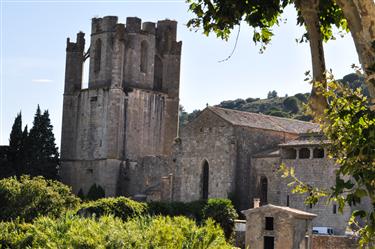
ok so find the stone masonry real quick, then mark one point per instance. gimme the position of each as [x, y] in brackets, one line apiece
[129, 110]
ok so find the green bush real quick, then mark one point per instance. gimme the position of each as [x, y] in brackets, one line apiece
[120, 207]
[291, 104]
[189, 209]
[110, 232]
[27, 198]
[222, 212]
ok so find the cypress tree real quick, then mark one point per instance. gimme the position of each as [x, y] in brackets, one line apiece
[15, 145]
[42, 149]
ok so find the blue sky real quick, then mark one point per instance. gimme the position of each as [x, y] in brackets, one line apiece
[33, 39]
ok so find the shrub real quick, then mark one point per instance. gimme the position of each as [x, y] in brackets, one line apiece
[222, 212]
[302, 97]
[27, 198]
[120, 207]
[189, 209]
[95, 192]
[110, 232]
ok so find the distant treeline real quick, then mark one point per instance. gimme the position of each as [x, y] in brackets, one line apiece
[287, 106]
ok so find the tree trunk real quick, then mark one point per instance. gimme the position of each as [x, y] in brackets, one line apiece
[360, 15]
[309, 11]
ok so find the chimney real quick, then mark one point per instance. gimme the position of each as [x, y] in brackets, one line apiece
[256, 202]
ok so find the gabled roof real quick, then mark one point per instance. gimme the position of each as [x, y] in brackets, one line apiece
[266, 122]
[269, 207]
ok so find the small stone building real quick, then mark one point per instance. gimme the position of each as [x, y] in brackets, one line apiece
[277, 227]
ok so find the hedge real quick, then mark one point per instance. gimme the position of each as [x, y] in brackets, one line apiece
[109, 232]
[120, 207]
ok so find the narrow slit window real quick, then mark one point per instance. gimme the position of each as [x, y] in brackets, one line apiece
[98, 55]
[144, 52]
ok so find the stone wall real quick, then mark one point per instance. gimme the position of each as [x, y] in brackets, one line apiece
[328, 242]
[82, 174]
[209, 138]
[318, 172]
[268, 167]
[250, 141]
[144, 177]
[145, 124]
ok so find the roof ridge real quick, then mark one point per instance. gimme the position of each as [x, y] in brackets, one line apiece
[262, 114]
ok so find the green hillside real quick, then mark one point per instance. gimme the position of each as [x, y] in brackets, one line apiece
[287, 106]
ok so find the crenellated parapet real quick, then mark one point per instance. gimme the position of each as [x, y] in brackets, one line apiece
[130, 108]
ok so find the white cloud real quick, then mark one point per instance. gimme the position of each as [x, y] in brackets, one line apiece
[41, 81]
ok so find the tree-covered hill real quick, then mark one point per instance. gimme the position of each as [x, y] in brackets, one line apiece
[287, 106]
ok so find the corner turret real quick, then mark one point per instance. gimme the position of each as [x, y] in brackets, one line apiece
[74, 63]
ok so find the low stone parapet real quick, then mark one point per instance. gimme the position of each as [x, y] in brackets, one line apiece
[333, 242]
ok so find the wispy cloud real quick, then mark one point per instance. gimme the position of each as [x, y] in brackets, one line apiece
[41, 81]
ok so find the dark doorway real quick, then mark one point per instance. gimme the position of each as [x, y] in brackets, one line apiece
[263, 190]
[268, 242]
[205, 179]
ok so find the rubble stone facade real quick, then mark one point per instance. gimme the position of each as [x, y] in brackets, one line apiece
[128, 113]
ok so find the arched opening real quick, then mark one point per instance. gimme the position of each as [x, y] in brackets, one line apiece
[318, 153]
[158, 73]
[263, 190]
[97, 55]
[205, 179]
[304, 153]
[144, 53]
[289, 153]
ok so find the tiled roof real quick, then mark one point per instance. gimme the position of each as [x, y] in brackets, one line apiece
[307, 139]
[295, 212]
[261, 121]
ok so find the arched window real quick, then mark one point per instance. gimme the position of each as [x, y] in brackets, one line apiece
[290, 153]
[205, 179]
[144, 53]
[98, 55]
[318, 153]
[304, 153]
[158, 73]
[263, 190]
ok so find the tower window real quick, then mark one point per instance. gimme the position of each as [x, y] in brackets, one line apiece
[158, 73]
[98, 55]
[263, 190]
[334, 209]
[144, 53]
[287, 201]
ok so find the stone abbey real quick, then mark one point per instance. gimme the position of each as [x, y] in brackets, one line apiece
[122, 131]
